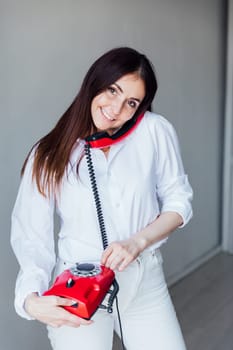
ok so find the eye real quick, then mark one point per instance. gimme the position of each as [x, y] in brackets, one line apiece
[112, 90]
[132, 103]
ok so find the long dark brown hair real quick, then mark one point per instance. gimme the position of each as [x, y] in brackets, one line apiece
[52, 152]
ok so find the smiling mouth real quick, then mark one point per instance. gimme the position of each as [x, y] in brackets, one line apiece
[106, 115]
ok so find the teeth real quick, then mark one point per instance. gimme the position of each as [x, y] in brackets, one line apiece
[107, 116]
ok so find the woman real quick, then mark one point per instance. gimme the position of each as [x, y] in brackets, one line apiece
[145, 195]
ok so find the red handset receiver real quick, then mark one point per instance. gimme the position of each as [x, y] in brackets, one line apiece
[103, 139]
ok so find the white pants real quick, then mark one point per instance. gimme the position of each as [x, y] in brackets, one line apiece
[148, 318]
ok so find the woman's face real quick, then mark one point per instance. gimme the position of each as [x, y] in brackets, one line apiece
[118, 103]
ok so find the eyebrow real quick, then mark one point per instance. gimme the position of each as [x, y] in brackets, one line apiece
[133, 98]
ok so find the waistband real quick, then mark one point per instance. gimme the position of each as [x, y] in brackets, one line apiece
[142, 256]
[148, 253]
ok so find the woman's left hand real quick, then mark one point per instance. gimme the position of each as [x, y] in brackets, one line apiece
[118, 255]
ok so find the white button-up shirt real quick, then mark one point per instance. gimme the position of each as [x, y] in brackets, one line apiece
[142, 177]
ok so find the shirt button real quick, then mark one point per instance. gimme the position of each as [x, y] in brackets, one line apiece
[117, 205]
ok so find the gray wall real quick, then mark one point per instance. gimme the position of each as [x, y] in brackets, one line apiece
[228, 141]
[47, 47]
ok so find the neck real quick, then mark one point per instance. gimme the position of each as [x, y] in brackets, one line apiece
[105, 150]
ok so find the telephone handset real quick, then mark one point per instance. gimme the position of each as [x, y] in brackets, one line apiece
[103, 139]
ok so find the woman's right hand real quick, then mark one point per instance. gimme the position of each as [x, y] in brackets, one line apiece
[49, 310]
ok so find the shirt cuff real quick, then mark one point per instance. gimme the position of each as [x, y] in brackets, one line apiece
[185, 212]
[23, 290]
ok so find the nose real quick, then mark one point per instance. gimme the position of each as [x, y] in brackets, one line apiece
[117, 107]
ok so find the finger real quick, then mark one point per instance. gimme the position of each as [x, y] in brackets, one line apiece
[70, 324]
[107, 252]
[114, 261]
[65, 301]
[86, 322]
[76, 321]
[52, 324]
[125, 263]
[69, 318]
[74, 324]
[117, 254]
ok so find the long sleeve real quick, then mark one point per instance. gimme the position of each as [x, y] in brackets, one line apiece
[173, 188]
[32, 239]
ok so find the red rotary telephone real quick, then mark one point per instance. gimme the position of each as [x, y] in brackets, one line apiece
[87, 284]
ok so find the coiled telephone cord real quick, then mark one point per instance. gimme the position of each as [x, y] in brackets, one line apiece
[100, 220]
